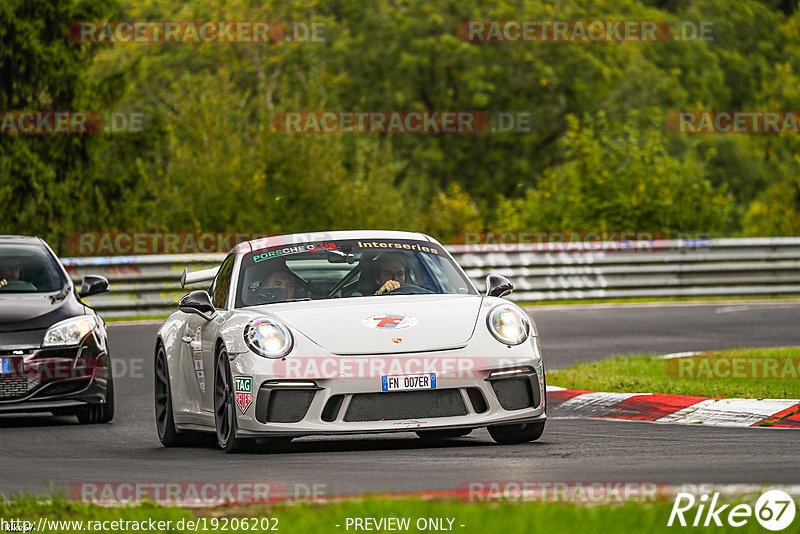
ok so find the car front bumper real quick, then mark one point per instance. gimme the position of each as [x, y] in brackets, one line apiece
[346, 405]
[57, 380]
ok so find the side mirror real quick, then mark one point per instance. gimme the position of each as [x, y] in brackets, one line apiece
[498, 286]
[92, 285]
[198, 302]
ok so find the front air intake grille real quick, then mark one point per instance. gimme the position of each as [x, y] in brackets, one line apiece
[62, 387]
[517, 393]
[405, 405]
[477, 399]
[332, 407]
[16, 387]
[289, 406]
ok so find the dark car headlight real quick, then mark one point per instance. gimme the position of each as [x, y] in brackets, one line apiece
[268, 338]
[508, 325]
[69, 331]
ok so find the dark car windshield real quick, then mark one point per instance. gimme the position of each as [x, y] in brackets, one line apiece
[28, 269]
[346, 269]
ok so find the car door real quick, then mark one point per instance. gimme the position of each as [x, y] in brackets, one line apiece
[208, 332]
[199, 337]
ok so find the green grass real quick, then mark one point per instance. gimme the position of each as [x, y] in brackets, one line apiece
[648, 374]
[477, 518]
[636, 300]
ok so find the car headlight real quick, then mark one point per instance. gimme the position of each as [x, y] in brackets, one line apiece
[508, 325]
[268, 338]
[69, 331]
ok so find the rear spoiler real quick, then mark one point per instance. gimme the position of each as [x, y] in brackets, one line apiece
[198, 276]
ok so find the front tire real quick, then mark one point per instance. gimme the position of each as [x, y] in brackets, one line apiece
[225, 408]
[519, 433]
[165, 421]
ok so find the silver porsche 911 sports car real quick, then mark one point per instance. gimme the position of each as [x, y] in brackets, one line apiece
[346, 332]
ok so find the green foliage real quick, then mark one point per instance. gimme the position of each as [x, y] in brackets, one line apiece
[452, 212]
[618, 177]
[211, 158]
[44, 185]
[776, 212]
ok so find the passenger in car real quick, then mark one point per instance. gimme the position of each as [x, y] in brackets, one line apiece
[9, 270]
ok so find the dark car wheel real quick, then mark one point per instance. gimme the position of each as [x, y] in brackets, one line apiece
[99, 413]
[520, 433]
[165, 422]
[443, 434]
[225, 407]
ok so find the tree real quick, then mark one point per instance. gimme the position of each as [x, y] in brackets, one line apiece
[47, 178]
[619, 178]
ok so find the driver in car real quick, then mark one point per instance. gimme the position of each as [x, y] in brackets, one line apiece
[282, 278]
[391, 275]
[9, 270]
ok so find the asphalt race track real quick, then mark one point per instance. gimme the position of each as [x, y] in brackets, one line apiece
[38, 452]
[586, 333]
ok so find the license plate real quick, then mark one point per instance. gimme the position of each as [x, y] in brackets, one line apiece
[5, 366]
[406, 382]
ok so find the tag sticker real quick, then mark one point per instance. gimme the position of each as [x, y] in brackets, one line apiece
[243, 387]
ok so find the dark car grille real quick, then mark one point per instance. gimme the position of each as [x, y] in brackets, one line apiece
[280, 405]
[518, 393]
[477, 399]
[405, 405]
[289, 406]
[16, 387]
[332, 407]
[63, 387]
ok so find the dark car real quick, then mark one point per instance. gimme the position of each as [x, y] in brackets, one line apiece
[53, 347]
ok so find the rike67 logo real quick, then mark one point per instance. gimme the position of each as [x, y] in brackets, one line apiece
[243, 387]
[774, 510]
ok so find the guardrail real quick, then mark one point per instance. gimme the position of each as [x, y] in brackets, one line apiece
[147, 285]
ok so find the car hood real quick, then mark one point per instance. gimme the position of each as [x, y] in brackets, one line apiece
[37, 311]
[385, 324]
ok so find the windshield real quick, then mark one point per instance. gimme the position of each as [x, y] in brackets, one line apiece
[347, 269]
[28, 269]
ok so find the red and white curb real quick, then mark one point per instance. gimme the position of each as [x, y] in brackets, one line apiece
[687, 409]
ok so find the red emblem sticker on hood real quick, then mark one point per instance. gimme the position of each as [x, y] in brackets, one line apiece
[389, 321]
